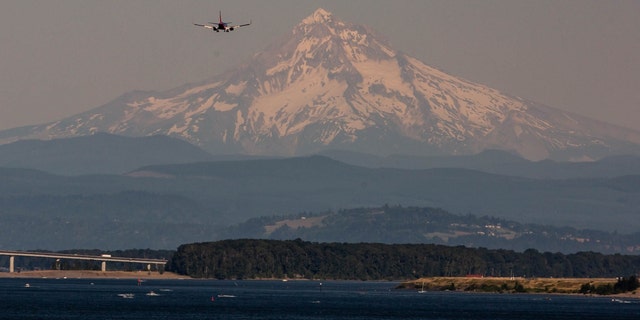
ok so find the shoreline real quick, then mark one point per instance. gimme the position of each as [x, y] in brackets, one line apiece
[543, 286]
[506, 285]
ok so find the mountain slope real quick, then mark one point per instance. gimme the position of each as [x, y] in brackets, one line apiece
[98, 154]
[499, 162]
[334, 85]
[429, 225]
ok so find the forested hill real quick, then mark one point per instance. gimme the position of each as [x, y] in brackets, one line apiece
[397, 224]
[255, 259]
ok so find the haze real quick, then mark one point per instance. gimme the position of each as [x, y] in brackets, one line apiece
[63, 57]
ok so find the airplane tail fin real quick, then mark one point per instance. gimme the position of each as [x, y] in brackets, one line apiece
[220, 16]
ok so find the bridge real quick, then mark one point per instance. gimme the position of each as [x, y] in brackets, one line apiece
[102, 258]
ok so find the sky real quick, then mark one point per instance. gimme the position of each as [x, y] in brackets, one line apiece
[62, 57]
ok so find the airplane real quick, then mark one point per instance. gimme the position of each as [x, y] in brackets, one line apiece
[220, 25]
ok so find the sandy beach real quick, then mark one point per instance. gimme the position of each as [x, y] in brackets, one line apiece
[548, 286]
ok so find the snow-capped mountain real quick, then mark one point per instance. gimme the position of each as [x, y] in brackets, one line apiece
[334, 85]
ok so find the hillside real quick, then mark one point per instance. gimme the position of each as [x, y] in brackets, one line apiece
[429, 225]
[499, 162]
[128, 219]
[313, 183]
[100, 153]
[162, 206]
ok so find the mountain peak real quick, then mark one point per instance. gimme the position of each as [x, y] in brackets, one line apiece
[336, 85]
[319, 16]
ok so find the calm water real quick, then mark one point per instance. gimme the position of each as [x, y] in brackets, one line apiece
[192, 299]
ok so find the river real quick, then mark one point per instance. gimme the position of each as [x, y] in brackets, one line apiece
[209, 299]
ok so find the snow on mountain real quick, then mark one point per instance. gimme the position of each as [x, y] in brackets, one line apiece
[334, 85]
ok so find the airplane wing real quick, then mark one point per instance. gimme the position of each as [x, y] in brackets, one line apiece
[239, 25]
[243, 25]
[206, 26]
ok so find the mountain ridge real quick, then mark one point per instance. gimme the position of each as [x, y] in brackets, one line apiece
[394, 225]
[498, 162]
[167, 204]
[100, 153]
[103, 153]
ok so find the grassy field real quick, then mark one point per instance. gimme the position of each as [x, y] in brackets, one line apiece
[506, 285]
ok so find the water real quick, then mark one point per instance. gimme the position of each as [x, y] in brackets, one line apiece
[192, 299]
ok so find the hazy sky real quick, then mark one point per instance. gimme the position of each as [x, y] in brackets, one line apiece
[62, 57]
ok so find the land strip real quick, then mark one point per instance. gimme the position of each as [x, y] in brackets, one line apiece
[510, 285]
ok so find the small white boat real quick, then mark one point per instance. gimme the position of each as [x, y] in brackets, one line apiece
[126, 295]
[152, 294]
[422, 289]
[26, 285]
[226, 296]
[620, 301]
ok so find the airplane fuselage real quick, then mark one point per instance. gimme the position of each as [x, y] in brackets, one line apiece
[221, 25]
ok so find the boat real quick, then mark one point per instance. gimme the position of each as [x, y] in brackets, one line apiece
[126, 295]
[620, 301]
[152, 294]
[226, 296]
[422, 289]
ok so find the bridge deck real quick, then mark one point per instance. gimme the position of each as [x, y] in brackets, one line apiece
[101, 258]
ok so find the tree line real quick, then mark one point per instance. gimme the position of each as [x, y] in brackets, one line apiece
[263, 259]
